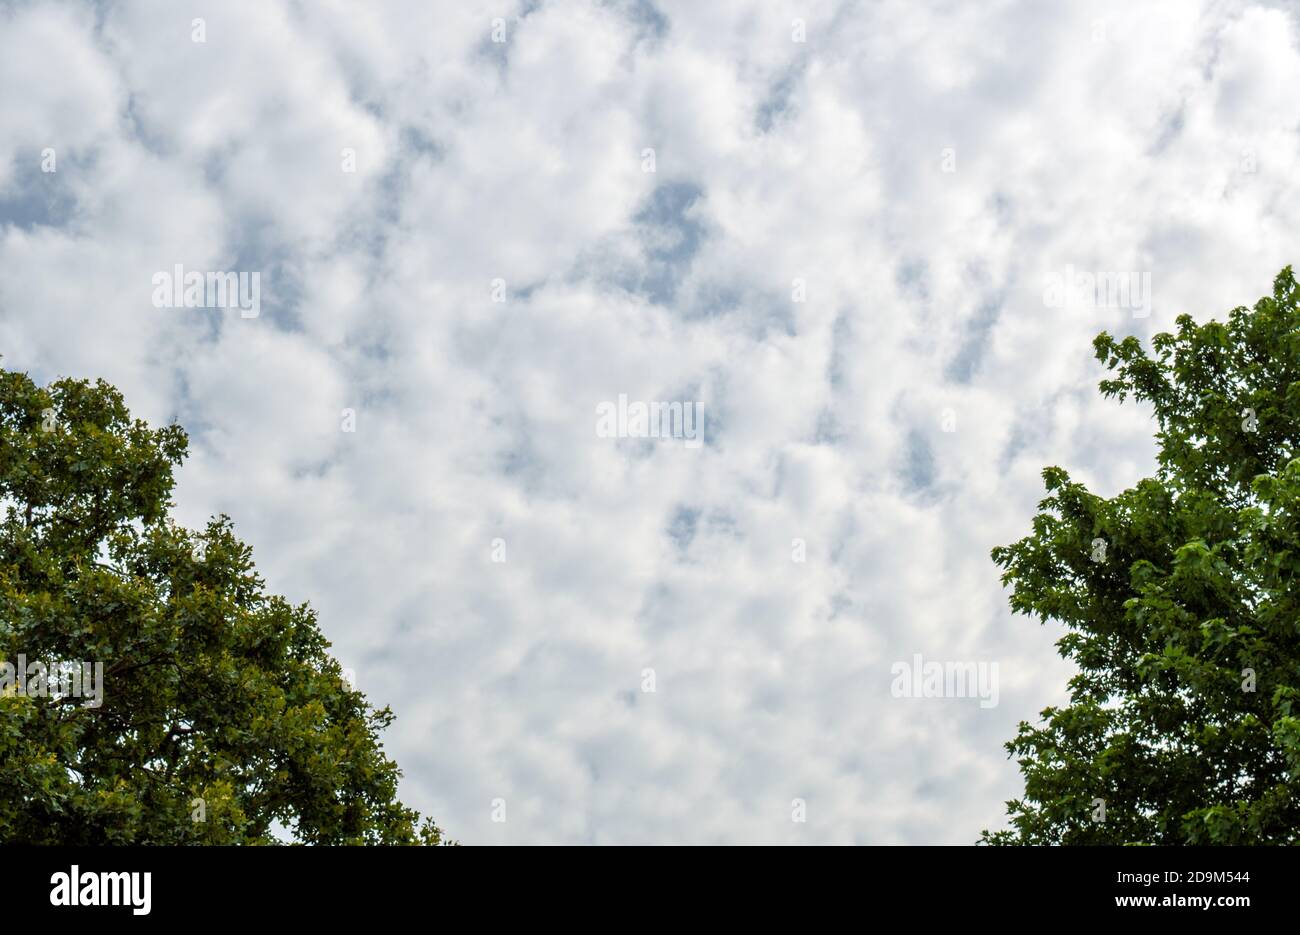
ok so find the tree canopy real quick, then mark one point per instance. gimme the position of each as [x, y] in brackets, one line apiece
[221, 717]
[1181, 602]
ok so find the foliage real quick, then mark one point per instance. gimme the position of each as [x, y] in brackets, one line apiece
[1183, 716]
[223, 717]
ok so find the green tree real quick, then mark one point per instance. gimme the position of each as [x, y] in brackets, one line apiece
[1181, 601]
[222, 717]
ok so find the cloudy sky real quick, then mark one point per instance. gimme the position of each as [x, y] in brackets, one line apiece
[831, 224]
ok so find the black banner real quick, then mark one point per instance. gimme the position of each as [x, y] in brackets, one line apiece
[141, 885]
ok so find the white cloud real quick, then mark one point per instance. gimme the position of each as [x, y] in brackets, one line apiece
[1113, 147]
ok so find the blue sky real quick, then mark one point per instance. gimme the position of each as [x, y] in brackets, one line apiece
[913, 172]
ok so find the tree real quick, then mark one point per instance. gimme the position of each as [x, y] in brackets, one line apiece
[221, 717]
[1181, 599]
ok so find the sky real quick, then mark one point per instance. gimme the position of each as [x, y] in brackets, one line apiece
[861, 239]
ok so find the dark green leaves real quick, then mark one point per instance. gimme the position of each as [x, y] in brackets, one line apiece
[1187, 635]
[223, 717]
